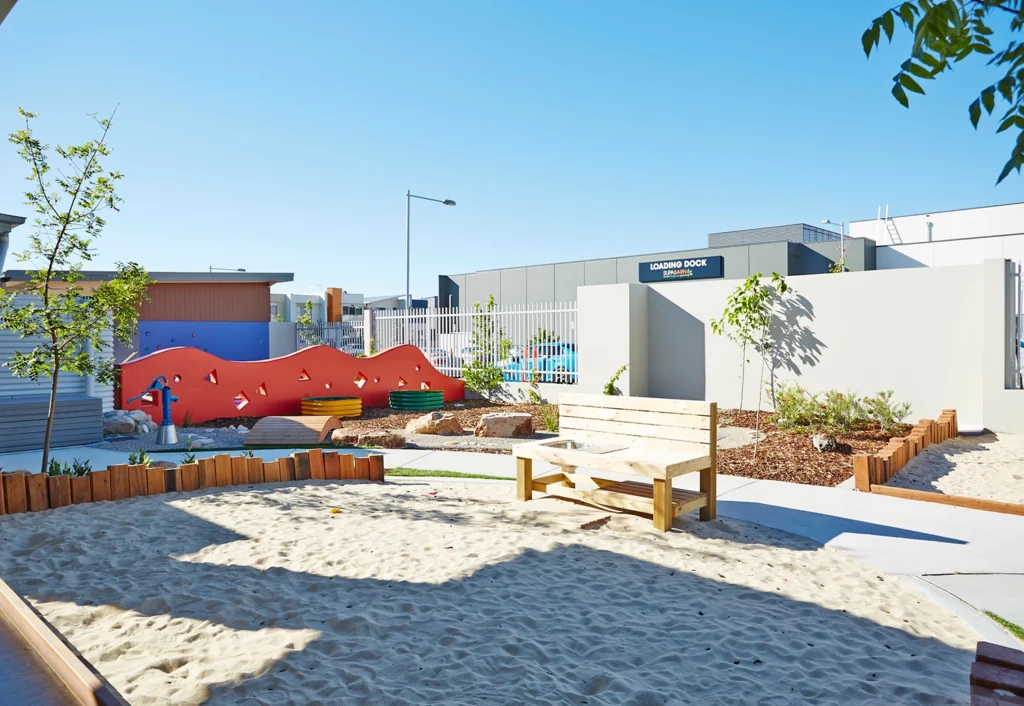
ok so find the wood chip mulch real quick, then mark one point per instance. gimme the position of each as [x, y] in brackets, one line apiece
[790, 456]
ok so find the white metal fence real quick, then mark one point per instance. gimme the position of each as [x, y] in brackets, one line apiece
[526, 342]
[346, 335]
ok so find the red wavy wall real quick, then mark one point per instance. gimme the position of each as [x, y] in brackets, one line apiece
[210, 387]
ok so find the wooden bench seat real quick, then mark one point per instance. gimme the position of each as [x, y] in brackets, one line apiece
[652, 438]
[997, 676]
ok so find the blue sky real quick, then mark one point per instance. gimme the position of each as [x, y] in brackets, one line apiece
[282, 136]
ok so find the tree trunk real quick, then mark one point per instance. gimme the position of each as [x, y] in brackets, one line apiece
[760, 394]
[49, 418]
[743, 372]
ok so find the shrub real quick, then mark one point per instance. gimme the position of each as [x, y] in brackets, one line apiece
[794, 408]
[188, 458]
[549, 413]
[883, 410]
[534, 392]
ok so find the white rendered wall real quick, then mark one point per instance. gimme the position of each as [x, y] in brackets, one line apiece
[946, 225]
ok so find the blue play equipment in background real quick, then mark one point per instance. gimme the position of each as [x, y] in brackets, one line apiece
[167, 434]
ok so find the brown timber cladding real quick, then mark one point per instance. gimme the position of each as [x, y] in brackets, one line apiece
[207, 301]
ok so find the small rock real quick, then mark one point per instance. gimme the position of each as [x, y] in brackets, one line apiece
[118, 425]
[242, 429]
[505, 424]
[383, 439]
[200, 442]
[231, 427]
[344, 437]
[434, 423]
[163, 464]
[138, 415]
[824, 442]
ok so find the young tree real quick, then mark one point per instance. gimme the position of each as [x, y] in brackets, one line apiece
[947, 32]
[489, 345]
[63, 321]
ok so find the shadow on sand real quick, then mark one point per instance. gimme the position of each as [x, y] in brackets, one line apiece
[574, 625]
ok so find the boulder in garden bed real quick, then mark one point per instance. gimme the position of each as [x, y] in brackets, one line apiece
[383, 439]
[344, 437]
[505, 424]
[118, 425]
[824, 442]
[434, 423]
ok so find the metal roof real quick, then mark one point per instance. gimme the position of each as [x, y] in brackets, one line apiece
[159, 277]
[11, 220]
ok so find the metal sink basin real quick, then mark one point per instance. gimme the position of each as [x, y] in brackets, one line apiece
[573, 445]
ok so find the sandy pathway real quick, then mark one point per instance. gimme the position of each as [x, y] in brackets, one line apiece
[263, 596]
[987, 466]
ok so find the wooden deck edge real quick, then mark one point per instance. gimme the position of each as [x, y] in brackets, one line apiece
[954, 500]
[86, 685]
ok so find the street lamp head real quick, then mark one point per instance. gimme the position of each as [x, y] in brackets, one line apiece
[448, 202]
[827, 222]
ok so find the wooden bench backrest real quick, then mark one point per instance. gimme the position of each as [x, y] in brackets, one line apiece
[686, 425]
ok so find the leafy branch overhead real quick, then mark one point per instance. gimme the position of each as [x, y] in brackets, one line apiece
[947, 32]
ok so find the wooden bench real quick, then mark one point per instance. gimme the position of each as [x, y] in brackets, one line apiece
[653, 438]
[997, 676]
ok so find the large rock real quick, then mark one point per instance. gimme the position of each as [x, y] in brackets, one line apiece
[200, 442]
[118, 425]
[434, 423]
[505, 424]
[138, 415]
[344, 437]
[383, 439]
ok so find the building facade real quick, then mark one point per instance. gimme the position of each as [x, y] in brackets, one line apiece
[789, 250]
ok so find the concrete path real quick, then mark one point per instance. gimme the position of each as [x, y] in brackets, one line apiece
[967, 560]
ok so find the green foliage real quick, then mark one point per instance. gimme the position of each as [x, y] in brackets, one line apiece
[609, 387]
[423, 473]
[883, 410]
[748, 316]
[186, 421]
[534, 391]
[1016, 630]
[188, 458]
[543, 335]
[307, 335]
[249, 454]
[838, 267]
[75, 469]
[139, 458]
[66, 322]
[835, 411]
[945, 32]
[549, 413]
[489, 343]
[278, 318]
[373, 346]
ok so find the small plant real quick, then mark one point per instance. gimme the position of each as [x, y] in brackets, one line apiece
[188, 458]
[483, 374]
[139, 458]
[794, 408]
[534, 392]
[373, 347]
[883, 410]
[56, 468]
[249, 454]
[80, 468]
[609, 387]
[186, 421]
[842, 412]
[549, 413]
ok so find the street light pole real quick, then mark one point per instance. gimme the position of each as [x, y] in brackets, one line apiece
[409, 196]
[842, 242]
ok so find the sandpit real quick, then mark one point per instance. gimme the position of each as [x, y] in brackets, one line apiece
[264, 596]
[988, 466]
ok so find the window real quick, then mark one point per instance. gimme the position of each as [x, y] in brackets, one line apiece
[273, 310]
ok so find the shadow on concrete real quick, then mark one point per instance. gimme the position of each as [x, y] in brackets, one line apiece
[818, 526]
[571, 625]
[678, 369]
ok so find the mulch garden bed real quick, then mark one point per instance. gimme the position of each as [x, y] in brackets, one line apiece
[790, 456]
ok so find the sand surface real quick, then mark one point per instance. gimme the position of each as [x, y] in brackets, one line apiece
[988, 466]
[262, 596]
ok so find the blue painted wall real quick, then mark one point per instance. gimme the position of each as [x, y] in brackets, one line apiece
[231, 340]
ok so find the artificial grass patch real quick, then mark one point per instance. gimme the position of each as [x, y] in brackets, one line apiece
[1016, 630]
[420, 473]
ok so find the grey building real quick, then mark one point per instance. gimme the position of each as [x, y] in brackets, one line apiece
[797, 249]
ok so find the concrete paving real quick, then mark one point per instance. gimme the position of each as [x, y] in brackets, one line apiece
[966, 560]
